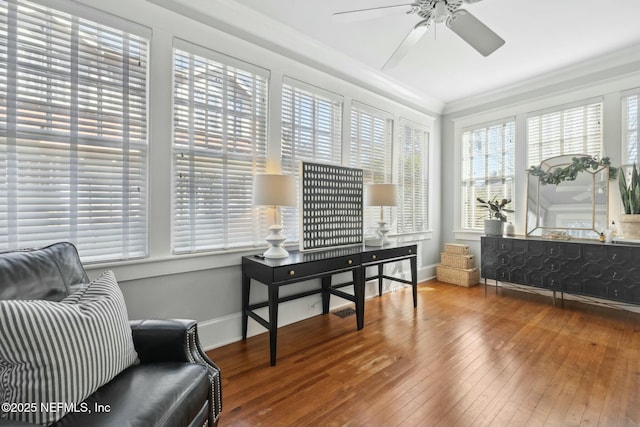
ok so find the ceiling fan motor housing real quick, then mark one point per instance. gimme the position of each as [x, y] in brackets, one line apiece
[426, 8]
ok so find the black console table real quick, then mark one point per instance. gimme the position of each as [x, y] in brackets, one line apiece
[602, 270]
[298, 267]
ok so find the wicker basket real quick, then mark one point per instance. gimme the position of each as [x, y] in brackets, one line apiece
[456, 249]
[457, 261]
[462, 277]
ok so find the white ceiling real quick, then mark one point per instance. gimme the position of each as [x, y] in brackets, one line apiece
[542, 36]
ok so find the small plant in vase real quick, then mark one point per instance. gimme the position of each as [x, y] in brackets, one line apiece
[496, 210]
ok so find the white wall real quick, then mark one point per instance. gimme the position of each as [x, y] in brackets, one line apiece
[206, 287]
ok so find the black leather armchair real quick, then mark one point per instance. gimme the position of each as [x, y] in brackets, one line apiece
[175, 384]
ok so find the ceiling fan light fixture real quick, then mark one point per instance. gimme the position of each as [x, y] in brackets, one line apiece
[441, 13]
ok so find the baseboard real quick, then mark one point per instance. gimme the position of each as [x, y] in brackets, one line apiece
[228, 329]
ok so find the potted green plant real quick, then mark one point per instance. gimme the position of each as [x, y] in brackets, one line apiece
[630, 196]
[496, 210]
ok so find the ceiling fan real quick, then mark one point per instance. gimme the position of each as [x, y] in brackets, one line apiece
[460, 21]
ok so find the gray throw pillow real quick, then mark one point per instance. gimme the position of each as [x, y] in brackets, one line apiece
[53, 355]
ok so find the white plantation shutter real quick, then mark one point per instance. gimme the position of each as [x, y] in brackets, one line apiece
[630, 119]
[572, 130]
[413, 195]
[220, 121]
[311, 131]
[487, 168]
[371, 138]
[73, 133]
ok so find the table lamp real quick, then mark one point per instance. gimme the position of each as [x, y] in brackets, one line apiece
[275, 190]
[382, 195]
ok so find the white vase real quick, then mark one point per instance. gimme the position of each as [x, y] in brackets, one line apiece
[509, 229]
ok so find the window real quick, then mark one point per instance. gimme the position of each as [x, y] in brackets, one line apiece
[73, 133]
[311, 131]
[219, 144]
[487, 168]
[571, 130]
[413, 203]
[630, 118]
[371, 136]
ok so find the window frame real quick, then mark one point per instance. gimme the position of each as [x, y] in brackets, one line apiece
[372, 175]
[563, 110]
[468, 204]
[423, 187]
[318, 97]
[255, 218]
[90, 139]
[629, 133]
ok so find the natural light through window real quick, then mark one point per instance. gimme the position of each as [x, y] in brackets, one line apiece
[487, 168]
[73, 133]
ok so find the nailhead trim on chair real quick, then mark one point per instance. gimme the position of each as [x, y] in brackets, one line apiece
[195, 355]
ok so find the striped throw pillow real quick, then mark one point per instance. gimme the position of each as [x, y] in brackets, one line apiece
[53, 355]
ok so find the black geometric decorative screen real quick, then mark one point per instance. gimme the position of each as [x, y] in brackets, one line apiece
[331, 213]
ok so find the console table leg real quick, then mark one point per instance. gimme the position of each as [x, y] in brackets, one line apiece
[358, 275]
[326, 293]
[273, 321]
[380, 272]
[246, 288]
[485, 286]
[414, 279]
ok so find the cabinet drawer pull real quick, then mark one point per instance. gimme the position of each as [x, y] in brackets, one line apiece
[292, 272]
[374, 257]
[350, 262]
[410, 251]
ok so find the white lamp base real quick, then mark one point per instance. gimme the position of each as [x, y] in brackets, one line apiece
[382, 231]
[275, 239]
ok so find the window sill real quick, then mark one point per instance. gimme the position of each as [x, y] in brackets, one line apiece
[412, 237]
[470, 235]
[176, 264]
[173, 264]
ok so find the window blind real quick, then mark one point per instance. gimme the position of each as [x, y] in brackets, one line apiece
[219, 144]
[630, 119]
[413, 203]
[73, 133]
[572, 130]
[487, 168]
[311, 131]
[371, 139]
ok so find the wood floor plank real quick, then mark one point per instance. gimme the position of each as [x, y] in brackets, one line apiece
[460, 358]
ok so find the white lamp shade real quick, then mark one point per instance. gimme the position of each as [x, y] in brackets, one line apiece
[274, 190]
[382, 195]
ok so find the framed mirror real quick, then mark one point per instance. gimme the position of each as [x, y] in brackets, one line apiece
[573, 208]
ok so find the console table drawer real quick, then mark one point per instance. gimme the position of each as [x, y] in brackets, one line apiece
[387, 253]
[294, 271]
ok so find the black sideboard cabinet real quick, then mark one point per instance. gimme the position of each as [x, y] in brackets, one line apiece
[602, 270]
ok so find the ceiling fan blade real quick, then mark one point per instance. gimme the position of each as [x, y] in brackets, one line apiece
[365, 14]
[470, 29]
[471, 1]
[409, 41]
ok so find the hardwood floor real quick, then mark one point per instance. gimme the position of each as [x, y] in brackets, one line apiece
[459, 359]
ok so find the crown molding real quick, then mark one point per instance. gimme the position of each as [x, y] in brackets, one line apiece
[247, 24]
[614, 65]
